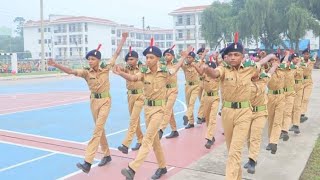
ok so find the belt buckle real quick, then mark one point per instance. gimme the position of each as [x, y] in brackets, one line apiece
[134, 91]
[96, 95]
[234, 105]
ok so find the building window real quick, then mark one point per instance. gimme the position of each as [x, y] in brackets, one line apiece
[39, 29]
[118, 33]
[180, 34]
[132, 35]
[180, 47]
[139, 36]
[45, 41]
[46, 54]
[113, 42]
[49, 54]
[188, 34]
[39, 41]
[113, 31]
[86, 50]
[49, 29]
[70, 51]
[86, 39]
[169, 36]
[45, 29]
[168, 44]
[188, 20]
[86, 27]
[180, 20]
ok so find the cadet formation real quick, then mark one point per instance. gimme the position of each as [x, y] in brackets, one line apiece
[272, 89]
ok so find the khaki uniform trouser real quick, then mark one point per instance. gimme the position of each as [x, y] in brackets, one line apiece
[135, 106]
[191, 93]
[276, 105]
[236, 124]
[201, 99]
[307, 90]
[168, 113]
[153, 117]
[259, 120]
[287, 116]
[211, 105]
[100, 110]
[296, 112]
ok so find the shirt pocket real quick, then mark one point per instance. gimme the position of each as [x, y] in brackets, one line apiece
[160, 81]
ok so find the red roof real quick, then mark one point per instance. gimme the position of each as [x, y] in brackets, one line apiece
[189, 9]
[72, 19]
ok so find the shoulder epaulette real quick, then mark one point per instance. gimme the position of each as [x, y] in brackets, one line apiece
[86, 67]
[163, 68]
[162, 61]
[175, 61]
[103, 65]
[263, 75]
[313, 60]
[144, 69]
[249, 63]
[303, 64]
[292, 66]
[282, 66]
[225, 64]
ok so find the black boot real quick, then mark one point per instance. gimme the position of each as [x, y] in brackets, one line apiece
[285, 135]
[296, 129]
[128, 173]
[268, 148]
[273, 148]
[137, 147]
[251, 167]
[246, 165]
[203, 120]
[85, 167]
[104, 160]
[303, 118]
[199, 121]
[185, 120]
[160, 134]
[173, 134]
[208, 144]
[189, 126]
[159, 173]
[123, 149]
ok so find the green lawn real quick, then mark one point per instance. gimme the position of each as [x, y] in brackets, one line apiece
[312, 169]
[32, 73]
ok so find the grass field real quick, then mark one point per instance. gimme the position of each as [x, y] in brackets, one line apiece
[312, 169]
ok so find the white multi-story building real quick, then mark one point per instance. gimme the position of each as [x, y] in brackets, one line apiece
[187, 27]
[70, 37]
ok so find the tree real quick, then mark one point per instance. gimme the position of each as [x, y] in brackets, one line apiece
[20, 22]
[217, 23]
[299, 21]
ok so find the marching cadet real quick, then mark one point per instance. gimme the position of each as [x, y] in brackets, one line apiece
[191, 89]
[211, 100]
[135, 102]
[276, 104]
[155, 78]
[172, 93]
[201, 118]
[298, 87]
[259, 102]
[308, 83]
[289, 92]
[236, 112]
[97, 77]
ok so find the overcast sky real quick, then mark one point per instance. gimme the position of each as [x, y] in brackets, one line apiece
[121, 11]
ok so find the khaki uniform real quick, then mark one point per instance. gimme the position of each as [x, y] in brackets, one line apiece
[298, 87]
[172, 93]
[259, 102]
[211, 104]
[155, 95]
[201, 94]
[191, 89]
[100, 103]
[290, 94]
[236, 112]
[276, 105]
[135, 102]
[307, 85]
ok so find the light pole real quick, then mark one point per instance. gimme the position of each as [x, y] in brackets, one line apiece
[42, 36]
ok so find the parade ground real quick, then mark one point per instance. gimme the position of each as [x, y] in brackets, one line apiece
[46, 122]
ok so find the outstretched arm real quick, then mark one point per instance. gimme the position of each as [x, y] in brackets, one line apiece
[184, 55]
[67, 70]
[119, 48]
[121, 72]
[266, 59]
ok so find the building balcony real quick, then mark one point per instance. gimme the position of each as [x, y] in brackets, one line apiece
[60, 43]
[60, 31]
[184, 24]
